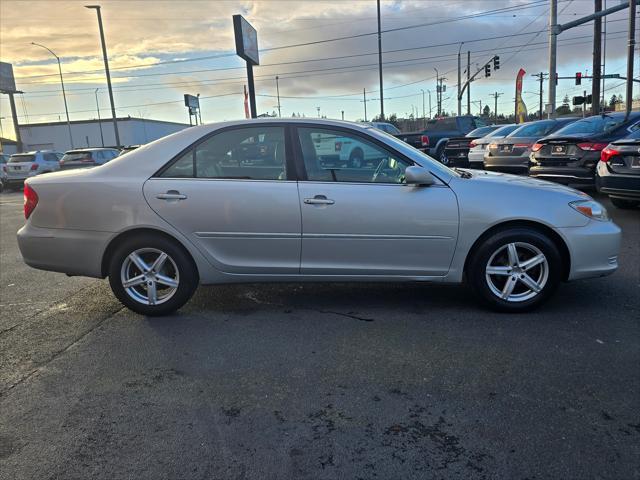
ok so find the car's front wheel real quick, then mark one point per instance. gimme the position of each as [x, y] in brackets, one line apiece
[152, 275]
[515, 270]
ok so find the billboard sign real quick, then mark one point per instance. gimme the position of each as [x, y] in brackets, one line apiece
[191, 101]
[7, 81]
[246, 40]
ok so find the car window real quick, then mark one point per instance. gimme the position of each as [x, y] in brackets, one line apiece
[338, 156]
[442, 124]
[467, 124]
[50, 157]
[76, 156]
[22, 158]
[481, 132]
[534, 129]
[593, 125]
[503, 131]
[256, 153]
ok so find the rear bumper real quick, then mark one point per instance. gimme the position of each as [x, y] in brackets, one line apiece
[75, 252]
[619, 185]
[594, 249]
[565, 175]
[507, 164]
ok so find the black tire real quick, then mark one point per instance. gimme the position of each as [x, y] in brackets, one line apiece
[181, 262]
[441, 156]
[624, 203]
[356, 159]
[491, 246]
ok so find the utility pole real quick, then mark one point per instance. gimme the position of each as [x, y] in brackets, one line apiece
[106, 69]
[495, 106]
[424, 118]
[553, 38]
[597, 59]
[99, 119]
[364, 94]
[380, 66]
[469, 83]
[630, 48]
[318, 108]
[437, 92]
[278, 93]
[459, 81]
[541, 76]
[64, 95]
[429, 92]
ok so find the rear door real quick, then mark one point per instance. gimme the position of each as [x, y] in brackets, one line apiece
[365, 220]
[233, 196]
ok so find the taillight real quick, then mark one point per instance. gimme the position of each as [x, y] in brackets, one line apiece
[522, 145]
[591, 147]
[30, 200]
[34, 166]
[473, 144]
[536, 147]
[493, 146]
[607, 153]
[424, 140]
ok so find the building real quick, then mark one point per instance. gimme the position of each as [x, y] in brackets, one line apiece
[94, 133]
[8, 146]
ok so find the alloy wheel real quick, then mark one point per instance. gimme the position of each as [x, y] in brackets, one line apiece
[517, 272]
[149, 276]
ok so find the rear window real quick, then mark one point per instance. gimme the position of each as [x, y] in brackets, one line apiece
[481, 132]
[593, 125]
[76, 156]
[534, 129]
[22, 158]
[503, 131]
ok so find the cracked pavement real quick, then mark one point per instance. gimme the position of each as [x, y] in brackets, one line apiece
[317, 380]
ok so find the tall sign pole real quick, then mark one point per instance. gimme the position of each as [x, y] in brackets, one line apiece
[8, 86]
[630, 48]
[597, 59]
[553, 38]
[247, 48]
[380, 65]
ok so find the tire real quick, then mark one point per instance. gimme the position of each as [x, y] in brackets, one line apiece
[494, 254]
[441, 156]
[173, 283]
[356, 159]
[623, 203]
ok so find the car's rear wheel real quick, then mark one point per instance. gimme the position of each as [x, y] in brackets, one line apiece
[624, 203]
[152, 275]
[441, 156]
[515, 270]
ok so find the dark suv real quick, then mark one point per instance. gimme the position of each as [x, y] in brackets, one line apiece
[570, 155]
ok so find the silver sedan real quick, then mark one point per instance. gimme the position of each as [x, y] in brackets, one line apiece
[267, 201]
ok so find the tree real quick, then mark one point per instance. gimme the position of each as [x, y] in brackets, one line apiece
[613, 101]
[486, 111]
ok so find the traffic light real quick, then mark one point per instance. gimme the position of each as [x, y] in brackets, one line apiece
[578, 78]
[487, 70]
[496, 62]
[589, 99]
[578, 100]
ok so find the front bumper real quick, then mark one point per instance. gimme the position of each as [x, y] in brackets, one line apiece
[593, 249]
[75, 252]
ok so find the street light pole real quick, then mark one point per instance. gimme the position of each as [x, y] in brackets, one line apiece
[437, 91]
[106, 69]
[424, 118]
[278, 92]
[459, 81]
[380, 65]
[99, 119]
[64, 95]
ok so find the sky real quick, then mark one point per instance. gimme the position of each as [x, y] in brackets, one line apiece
[159, 50]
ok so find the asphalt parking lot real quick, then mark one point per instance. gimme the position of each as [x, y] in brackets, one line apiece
[317, 381]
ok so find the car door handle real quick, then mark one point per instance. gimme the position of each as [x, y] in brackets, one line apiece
[171, 195]
[319, 200]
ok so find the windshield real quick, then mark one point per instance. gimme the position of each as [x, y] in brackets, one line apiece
[592, 125]
[22, 158]
[76, 156]
[534, 129]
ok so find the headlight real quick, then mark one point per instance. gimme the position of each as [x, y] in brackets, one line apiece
[591, 209]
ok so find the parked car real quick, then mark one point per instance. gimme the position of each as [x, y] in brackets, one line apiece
[87, 157]
[344, 152]
[618, 171]
[390, 128]
[164, 218]
[4, 158]
[433, 138]
[477, 148]
[570, 155]
[511, 153]
[456, 149]
[26, 165]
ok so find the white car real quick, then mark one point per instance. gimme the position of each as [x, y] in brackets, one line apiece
[29, 164]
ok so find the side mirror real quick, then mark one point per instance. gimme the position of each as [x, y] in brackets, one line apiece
[418, 176]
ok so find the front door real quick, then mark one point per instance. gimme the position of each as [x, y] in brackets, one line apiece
[364, 220]
[230, 196]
